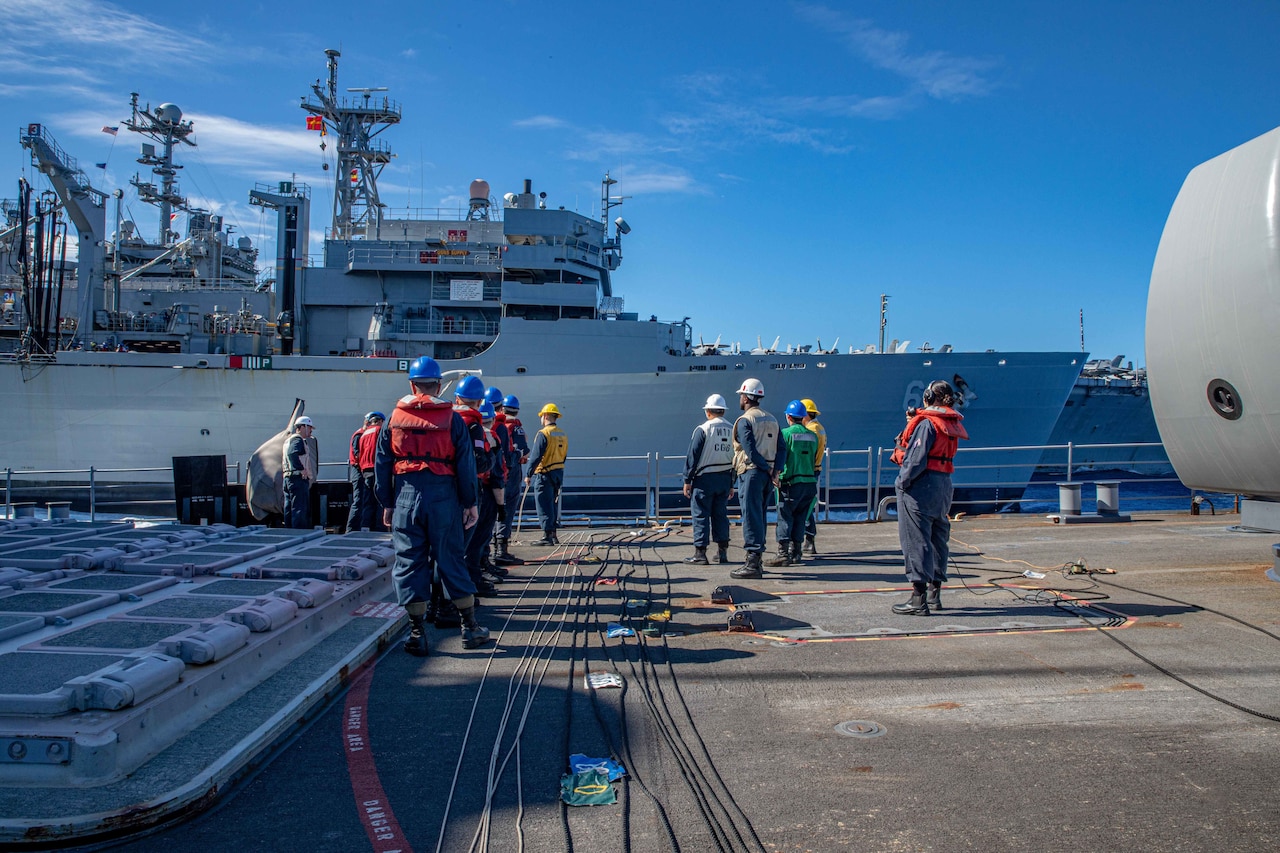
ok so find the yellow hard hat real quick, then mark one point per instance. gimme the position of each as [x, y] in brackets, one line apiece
[549, 409]
[811, 407]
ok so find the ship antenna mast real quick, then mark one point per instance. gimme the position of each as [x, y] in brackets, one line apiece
[357, 210]
[165, 126]
[884, 318]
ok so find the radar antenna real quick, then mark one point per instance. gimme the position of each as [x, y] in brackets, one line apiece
[164, 126]
[357, 210]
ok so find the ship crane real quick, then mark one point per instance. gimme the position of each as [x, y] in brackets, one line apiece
[87, 209]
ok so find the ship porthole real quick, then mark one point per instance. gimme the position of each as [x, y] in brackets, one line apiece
[1225, 400]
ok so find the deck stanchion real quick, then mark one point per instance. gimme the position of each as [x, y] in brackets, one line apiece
[8, 493]
[93, 495]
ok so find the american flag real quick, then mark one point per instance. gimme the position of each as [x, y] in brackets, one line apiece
[111, 130]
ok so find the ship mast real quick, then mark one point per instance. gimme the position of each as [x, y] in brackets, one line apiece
[165, 127]
[357, 211]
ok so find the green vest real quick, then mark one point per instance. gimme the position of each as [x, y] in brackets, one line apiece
[802, 450]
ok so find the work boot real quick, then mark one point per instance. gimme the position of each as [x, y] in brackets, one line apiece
[783, 557]
[485, 588]
[447, 615]
[933, 598]
[545, 540]
[474, 634]
[750, 569]
[917, 606]
[796, 558]
[492, 576]
[433, 607]
[503, 557]
[722, 552]
[699, 557]
[810, 546]
[416, 643]
[496, 570]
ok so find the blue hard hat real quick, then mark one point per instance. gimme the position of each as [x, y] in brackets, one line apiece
[511, 401]
[493, 395]
[470, 388]
[486, 411]
[796, 409]
[375, 416]
[424, 367]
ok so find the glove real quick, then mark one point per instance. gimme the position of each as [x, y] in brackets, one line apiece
[502, 513]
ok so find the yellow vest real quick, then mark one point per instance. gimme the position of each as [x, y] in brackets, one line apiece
[557, 450]
[818, 430]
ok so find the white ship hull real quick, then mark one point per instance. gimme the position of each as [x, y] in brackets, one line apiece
[621, 392]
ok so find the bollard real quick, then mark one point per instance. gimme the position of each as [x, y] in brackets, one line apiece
[1108, 497]
[1068, 498]
[59, 510]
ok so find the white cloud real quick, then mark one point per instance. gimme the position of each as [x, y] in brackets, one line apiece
[937, 73]
[540, 123]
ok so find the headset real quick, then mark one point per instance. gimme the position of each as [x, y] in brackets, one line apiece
[939, 393]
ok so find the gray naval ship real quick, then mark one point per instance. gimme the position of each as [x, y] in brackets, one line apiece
[518, 289]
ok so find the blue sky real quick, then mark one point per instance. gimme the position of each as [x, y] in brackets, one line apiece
[993, 166]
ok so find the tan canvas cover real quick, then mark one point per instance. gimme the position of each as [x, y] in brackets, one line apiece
[265, 486]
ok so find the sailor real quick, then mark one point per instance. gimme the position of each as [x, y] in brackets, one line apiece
[364, 514]
[926, 450]
[300, 467]
[358, 499]
[797, 486]
[492, 495]
[758, 457]
[490, 562]
[546, 471]
[517, 456]
[811, 424]
[425, 478]
[708, 480]
[467, 400]
[370, 511]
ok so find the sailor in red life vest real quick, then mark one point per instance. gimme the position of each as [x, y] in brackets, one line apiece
[518, 454]
[425, 476]
[468, 396]
[365, 509]
[492, 563]
[926, 451]
[492, 495]
[353, 476]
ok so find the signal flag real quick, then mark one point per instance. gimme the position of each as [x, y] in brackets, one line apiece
[315, 123]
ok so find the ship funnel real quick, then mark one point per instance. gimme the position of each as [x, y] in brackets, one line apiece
[528, 186]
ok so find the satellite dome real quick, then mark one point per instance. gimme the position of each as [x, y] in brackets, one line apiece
[245, 244]
[169, 113]
[479, 190]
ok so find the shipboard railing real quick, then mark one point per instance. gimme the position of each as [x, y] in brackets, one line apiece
[855, 485]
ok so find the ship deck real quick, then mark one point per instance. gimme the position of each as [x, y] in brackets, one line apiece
[1074, 711]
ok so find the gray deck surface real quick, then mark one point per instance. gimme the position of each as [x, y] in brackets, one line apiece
[1005, 723]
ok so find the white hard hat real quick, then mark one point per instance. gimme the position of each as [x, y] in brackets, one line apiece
[304, 421]
[715, 401]
[752, 388]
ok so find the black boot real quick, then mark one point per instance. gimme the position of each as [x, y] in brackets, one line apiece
[699, 557]
[796, 558]
[433, 608]
[722, 552]
[503, 557]
[750, 569]
[917, 606]
[447, 615]
[810, 546]
[416, 643]
[474, 634]
[783, 557]
[485, 587]
[933, 598]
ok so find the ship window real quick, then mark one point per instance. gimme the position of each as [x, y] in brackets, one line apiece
[694, 367]
[521, 369]
[719, 367]
[662, 368]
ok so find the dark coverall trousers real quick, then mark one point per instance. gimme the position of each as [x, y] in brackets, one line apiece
[514, 484]
[427, 523]
[482, 531]
[546, 488]
[794, 502]
[754, 486]
[297, 502]
[924, 528]
[709, 505]
[358, 498]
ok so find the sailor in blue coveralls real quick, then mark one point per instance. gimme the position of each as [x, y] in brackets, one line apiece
[708, 482]
[425, 469]
[519, 454]
[926, 450]
[299, 472]
[758, 458]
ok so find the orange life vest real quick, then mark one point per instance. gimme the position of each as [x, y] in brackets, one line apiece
[947, 434]
[421, 435]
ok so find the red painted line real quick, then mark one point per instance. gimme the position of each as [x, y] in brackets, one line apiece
[371, 801]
